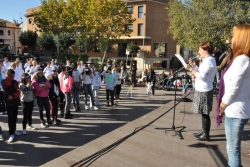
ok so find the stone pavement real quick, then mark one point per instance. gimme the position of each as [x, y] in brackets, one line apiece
[91, 131]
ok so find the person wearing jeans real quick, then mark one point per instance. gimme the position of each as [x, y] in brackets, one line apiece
[235, 101]
[87, 77]
[96, 83]
[12, 94]
[67, 88]
[76, 87]
[41, 90]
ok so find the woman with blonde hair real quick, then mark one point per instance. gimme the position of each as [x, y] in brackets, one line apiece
[236, 99]
[41, 90]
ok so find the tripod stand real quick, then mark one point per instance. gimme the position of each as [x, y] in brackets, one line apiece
[174, 128]
[131, 91]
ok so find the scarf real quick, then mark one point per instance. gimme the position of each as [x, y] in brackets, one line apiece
[41, 79]
[221, 93]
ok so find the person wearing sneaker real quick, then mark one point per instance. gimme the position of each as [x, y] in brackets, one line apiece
[110, 83]
[67, 88]
[76, 86]
[118, 86]
[96, 83]
[12, 94]
[87, 77]
[41, 90]
[61, 95]
[27, 100]
[2, 102]
[54, 95]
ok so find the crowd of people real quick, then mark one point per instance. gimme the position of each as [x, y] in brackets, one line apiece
[52, 86]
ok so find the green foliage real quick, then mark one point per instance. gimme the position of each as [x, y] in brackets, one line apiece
[96, 62]
[133, 48]
[64, 42]
[28, 38]
[54, 17]
[84, 44]
[73, 58]
[192, 22]
[46, 41]
[83, 57]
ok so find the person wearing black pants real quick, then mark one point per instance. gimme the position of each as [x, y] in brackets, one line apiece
[118, 83]
[41, 90]
[110, 83]
[111, 93]
[12, 99]
[133, 70]
[54, 96]
[27, 101]
[2, 103]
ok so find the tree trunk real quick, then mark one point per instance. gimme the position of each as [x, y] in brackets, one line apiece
[105, 53]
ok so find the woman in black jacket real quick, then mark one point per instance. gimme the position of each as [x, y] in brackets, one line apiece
[54, 95]
[151, 79]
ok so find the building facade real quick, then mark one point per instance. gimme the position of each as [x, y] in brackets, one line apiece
[149, 32]
[9, 34]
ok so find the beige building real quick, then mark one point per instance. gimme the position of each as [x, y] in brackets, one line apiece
[9, 34]
[149, 33]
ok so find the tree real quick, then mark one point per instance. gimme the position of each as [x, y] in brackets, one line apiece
[28, 38]
[133, 48]
[193, 21]
[46, 41]
[53, 17]
[64, 42]
[106, 22]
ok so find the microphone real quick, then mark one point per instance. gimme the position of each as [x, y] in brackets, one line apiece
[196, 57]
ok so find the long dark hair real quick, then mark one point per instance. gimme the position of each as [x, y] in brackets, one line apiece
[24, 78]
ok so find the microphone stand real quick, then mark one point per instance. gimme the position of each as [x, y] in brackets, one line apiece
[174, 128]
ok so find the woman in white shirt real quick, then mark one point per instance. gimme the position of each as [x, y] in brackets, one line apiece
[236, 99]
[203, 96]
[47, 70]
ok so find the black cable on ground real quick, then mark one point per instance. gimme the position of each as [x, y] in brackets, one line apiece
[92, 158]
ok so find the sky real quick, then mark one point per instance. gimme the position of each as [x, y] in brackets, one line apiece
[14, 9]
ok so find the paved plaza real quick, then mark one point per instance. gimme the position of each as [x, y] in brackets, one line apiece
[91, 131]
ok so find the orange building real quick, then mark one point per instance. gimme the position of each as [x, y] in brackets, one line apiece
[149, 33]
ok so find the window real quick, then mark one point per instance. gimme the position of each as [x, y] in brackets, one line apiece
[30, 21]
[9, 32]
[140, 11]
[140, 29]
[1, 32]
[160, 49]
[130, 9]
[130, 27]
[122, 49]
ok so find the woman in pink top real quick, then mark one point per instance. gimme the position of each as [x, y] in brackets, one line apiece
[41, 90]
[66, 84]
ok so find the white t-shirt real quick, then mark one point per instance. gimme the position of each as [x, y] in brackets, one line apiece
[6, 64]
[47, 71]
[237, 92]
[3, 71]
[205, 75]
[79, 68]
[26, 65]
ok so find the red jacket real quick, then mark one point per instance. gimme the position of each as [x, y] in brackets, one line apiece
[11, 88]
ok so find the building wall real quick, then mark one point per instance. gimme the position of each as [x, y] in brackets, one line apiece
[157, 26]
[30, 19]
[12, 38]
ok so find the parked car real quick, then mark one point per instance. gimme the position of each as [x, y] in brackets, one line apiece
[29, 56]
